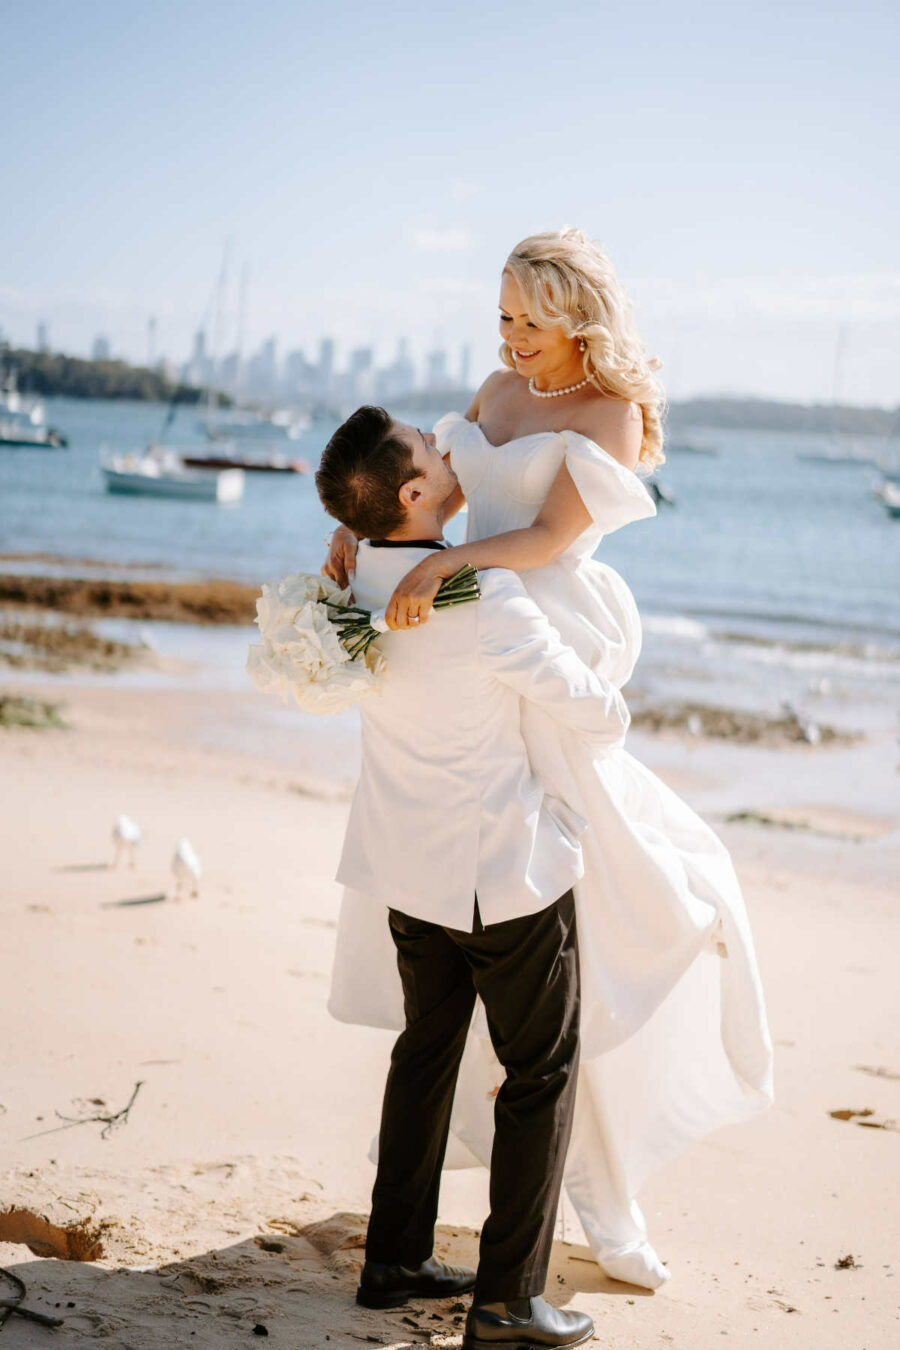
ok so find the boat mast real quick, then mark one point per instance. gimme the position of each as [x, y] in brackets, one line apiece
[217, 309]
[840, 347]
[242, 323]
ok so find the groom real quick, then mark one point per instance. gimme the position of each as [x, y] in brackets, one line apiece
[474, 865]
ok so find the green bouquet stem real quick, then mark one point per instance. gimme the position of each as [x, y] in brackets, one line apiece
[354, 624]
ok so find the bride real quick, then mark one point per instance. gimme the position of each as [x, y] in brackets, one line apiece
[673, 1024]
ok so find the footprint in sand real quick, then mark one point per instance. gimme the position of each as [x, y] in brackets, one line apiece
[93, 1324]
[339, 1239]
[878, 1071]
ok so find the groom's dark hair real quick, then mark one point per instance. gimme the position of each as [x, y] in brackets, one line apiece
[362, 470]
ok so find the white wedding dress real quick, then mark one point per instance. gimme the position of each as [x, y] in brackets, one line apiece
[673, 1026]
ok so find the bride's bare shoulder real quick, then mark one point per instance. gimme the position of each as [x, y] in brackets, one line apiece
[615, 424]
[497, 384]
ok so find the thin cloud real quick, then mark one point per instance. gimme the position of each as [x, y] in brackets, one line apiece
[441, 241]
[852, 297]
[459, 286]
[463, 191]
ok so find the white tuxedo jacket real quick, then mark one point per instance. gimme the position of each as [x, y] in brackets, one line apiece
[447, 804]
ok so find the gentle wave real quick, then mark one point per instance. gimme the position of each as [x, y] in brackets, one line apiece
[761, 623]
[676, 626]
[866, 663]
[864, 660]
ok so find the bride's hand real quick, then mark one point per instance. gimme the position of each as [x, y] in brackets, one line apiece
[341, 561]
[410, 604]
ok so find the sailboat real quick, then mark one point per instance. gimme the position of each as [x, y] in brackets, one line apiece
[161, 473]
[159, 470]
[840, 453]
[23, 422]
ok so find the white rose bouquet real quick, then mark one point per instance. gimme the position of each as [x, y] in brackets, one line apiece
[317, 645]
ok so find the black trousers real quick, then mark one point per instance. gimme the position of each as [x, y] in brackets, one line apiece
[526, 972]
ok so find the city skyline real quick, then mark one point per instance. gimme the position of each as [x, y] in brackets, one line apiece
[295, 377]
[326, 377]
[732, 160]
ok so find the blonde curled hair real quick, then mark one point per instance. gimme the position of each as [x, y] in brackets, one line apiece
[569, 283]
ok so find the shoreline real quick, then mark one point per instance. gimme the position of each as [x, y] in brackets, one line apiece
[691, 684]
[96, 588]
[793, 632]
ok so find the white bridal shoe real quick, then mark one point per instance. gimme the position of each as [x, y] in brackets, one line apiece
[635, 1263]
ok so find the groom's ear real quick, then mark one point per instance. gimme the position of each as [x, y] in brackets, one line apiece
[410, 492]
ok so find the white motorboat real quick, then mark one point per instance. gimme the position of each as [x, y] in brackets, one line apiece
[229, 457]
[836, 457]
[23, 421]
[690, 448]
[292, 422]
[245, 424]
[161, 473]
[889, 493]
[30, 432]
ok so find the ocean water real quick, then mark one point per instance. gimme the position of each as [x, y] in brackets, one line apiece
[767, 563]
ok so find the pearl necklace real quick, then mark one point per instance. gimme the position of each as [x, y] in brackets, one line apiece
[556, 393]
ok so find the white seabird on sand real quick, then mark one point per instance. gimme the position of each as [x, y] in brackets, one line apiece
[186, 868]
[126, 837]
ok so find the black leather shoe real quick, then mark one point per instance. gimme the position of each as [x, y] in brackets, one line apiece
[525, 1324]
[385, 1286]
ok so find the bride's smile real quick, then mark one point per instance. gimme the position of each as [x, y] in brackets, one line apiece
[547, 355]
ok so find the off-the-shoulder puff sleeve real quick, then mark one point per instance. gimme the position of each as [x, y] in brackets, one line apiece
[461, 439]
[447, 430]
[613, 494]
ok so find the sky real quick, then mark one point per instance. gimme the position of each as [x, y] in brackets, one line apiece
[371, 166]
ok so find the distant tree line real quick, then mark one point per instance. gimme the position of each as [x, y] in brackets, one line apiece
[48, 373]
[748, 414]
[762, 414]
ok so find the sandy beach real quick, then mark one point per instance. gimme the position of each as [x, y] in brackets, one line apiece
[629, 275]
[230, 1200]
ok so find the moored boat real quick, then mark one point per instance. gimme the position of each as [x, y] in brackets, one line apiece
[690, 448]
[264, 464]
[835, 457]
[245, 424]
[162, 474]
[889, 494]
[24, 433]
[23, 421]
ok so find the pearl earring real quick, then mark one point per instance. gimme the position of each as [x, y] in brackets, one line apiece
[581, 344]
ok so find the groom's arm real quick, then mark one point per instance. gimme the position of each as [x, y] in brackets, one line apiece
[522, 649]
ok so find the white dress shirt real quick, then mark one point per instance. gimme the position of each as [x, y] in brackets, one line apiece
[447, 805]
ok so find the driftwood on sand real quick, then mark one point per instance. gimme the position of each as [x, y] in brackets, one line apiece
[109, 1122]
